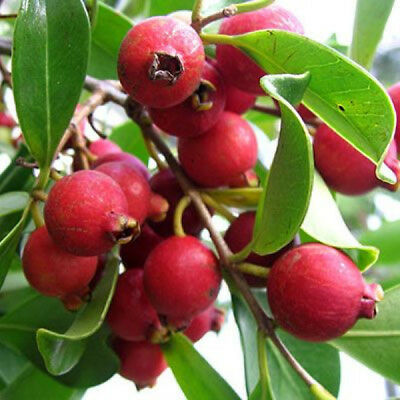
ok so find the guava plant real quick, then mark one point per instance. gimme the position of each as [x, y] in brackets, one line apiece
[105, 264]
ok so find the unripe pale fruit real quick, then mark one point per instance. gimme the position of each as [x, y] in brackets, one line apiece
[220, 155]
[51, 270]
[394, 93]
[124, 157]
[181, 277]
[101, 147]
[238, 101]
[136, 188]
[135, 253]
[346, 170]
[131, 315]
[239, 235]
[141, 362]
[165, 184]
[238, 69]
[317, 293]
[210, 319]
[197, 113]
[160, 62]
[86, 214]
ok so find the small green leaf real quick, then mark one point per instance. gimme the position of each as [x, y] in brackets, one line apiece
[325, 224]
[51, 41]
[12, 202]
[61, 352]
[287, 189]
[369, 24]
[197, 379]
[376, 343]
[129, 137]
[105, 46]
[340, 92]
[9, 244]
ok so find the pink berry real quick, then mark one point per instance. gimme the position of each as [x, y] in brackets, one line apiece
[238, 101]
[238, 69]
[160, 62]
[317, 293]
[394, 93]
[220, 155]
[101, 147]
[181, 277]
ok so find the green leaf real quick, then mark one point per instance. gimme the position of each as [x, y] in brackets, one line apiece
[284, 380]
[162, 7]
[51, 41]
[376, 343]
[34, 384]
[197, 379]
[325, 224]
[15, 178]
[369, 24]
[61, 352]
[105, 46]
[340, 92]
[287, 189]
[12, 202]
[9, 244]
[11, 365]
[129, 137]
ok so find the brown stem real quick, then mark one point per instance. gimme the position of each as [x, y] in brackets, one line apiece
[21, 162]
[6, 74]
[226, 12]
[8, 16]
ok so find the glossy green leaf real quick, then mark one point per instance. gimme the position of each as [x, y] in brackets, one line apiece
[284, 380]
[376, 343]
[61, 352]
[162, 7]
[340, 92]
[35, 384]
[11, 366]
[369, 24]
[197, 379]
[111, 27]
[12, 202]
[9, 244]
[51, 41]
[129, 137]
[325, 224]
[287, 189]
[15, 178]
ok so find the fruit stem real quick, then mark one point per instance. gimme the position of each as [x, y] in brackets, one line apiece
[55, 175]
[219, 208]
[253, 269]
[252, 5]
[36, 214]
[39, 195]
[179, 210]
[43, 178]
[265, 381]
[209, 38]
[241, 197]
[154, 154]
[196, 15]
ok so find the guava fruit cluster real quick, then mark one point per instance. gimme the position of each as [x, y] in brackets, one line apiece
[170, 282]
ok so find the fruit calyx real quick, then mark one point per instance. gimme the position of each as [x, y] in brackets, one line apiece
[200, 98]
[373, 293]
[165, 67]
[125, 229]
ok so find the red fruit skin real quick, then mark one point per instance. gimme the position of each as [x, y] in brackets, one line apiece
[181, 277]
[135, 253]
[136, 188]
[131, 315]
[165, 184]
[6, 120]
[102, 147]
[221, 154]
[343, 168]
[124, 157]
[51, 270]
[239, 235]
[394, 93]
[237, 68]
[141, 362]
[82, 211]
[210, 319]
[305, 113]
[238, 101]
[183, 120]
[315, 292]
[163, 35]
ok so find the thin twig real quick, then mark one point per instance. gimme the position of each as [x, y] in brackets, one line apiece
[5, 46]
[5, 73]
[8, 16]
